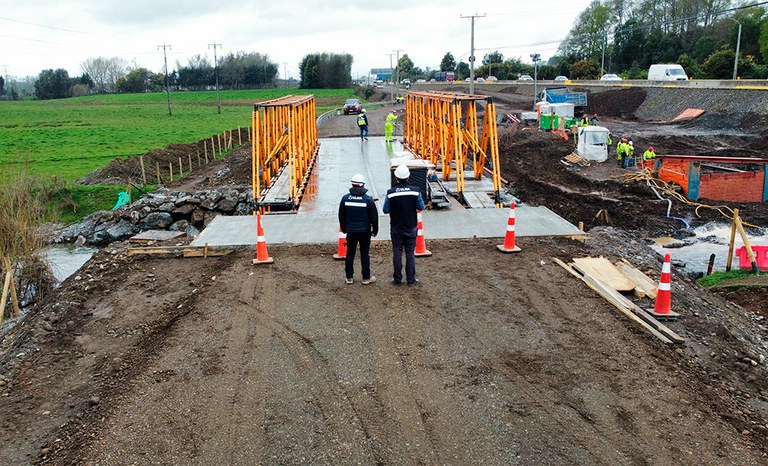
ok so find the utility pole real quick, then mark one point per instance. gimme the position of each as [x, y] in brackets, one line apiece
[285, 74]
[397, 67]
[738, 45]
[536, 58]
[216, 72]
[167, 86]
[472, 52]
[391, 72]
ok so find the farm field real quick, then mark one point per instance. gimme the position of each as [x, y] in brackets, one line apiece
[69, 138]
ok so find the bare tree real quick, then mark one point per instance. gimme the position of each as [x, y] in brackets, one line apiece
[104, 72]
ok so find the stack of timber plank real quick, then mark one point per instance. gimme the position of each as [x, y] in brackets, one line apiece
[609, 280]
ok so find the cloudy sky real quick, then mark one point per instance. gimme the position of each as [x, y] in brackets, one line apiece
[42, 34]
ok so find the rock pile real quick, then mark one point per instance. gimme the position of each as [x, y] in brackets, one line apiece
[159, 210]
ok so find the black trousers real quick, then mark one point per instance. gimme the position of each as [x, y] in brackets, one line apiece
[404, 242]
[363, 238]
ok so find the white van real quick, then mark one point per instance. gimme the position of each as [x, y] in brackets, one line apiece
[667, 72]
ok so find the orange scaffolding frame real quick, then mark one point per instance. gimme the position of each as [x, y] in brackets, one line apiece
[284, 138]
[442, 127]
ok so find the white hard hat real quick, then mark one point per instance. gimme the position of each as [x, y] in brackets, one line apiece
[362, 110]
[402, 172]
[358, 179]
[631, 144]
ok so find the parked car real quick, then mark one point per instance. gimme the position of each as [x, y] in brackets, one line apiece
[561, 79]
[525, 77]
[352, 106]
[611, 77]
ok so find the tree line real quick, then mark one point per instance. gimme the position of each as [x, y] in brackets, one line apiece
[627, 36]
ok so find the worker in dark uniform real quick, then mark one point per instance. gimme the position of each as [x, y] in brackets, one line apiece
[402, 203]
[359, 219]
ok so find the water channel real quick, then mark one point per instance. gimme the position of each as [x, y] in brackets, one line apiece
[711, 238]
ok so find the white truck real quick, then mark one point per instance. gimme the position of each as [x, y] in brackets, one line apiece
[667, 72]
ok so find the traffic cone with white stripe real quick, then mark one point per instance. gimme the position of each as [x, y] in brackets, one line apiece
[342, 249]
[509, 239]
[262, 256]
[663, 308]
[421, 243]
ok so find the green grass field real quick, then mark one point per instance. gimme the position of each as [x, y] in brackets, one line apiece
[69, 138]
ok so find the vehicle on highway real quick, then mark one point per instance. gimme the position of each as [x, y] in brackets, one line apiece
[611, 77]
[421, 81]
[667, 72]
[479, 80]
[352, 106]
[466, 80]
[525, 77]
[561, 79]
[491, 79]
[445, 76]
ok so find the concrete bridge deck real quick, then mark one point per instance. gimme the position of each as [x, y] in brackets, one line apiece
[316, 220]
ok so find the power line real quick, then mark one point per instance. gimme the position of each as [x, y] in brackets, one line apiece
[43, 26]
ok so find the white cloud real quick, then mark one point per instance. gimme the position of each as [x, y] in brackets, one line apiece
[52, 34]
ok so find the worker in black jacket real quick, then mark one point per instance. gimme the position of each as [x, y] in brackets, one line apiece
[359, 219]
[402, 203]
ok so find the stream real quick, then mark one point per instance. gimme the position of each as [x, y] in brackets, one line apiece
[710, 238]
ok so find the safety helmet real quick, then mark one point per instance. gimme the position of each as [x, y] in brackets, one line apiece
[362, 110]
[650, 149]
[631, 144]
[402, 172]
[358, 180]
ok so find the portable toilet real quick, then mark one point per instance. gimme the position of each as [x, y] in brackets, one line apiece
[565, 110]
[593, 143]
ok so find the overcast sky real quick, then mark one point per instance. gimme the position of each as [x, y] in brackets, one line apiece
[42, 34]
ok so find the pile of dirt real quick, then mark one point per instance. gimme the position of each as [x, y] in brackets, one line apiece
[616, 103]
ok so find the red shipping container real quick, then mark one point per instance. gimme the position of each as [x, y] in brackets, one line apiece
[761, 257]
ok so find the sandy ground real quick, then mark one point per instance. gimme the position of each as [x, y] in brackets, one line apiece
[491, 359]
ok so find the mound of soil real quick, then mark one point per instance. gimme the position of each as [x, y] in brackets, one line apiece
[616, 103]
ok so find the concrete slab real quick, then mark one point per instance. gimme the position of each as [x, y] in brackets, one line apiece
[464, 223]
[316, 221]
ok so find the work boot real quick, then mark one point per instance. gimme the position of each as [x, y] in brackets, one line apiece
[349, 281]
[368, 281]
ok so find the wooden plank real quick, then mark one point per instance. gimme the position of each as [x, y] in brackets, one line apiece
[608, 295]
[155, 235]
[644, 286]
[602, 269]
[185, 251]
[637, 310]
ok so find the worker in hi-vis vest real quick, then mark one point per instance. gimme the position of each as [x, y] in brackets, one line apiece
[362, 123]
[389, 126]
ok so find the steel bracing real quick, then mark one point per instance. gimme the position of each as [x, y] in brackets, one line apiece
[284, 144]
[443, 127]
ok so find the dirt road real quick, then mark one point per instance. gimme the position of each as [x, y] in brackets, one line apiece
[491, 359]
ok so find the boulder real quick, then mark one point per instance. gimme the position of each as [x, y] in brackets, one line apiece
[156, 221]
[122, 230]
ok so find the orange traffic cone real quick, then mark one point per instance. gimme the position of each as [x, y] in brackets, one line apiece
[342, 251]
[262, 256]
[421, 243]
[663, 307]
[509, 239]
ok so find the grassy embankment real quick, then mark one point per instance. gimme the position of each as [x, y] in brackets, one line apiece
[69, 138]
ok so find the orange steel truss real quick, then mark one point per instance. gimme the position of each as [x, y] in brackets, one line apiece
[284, 138]
[442, 127]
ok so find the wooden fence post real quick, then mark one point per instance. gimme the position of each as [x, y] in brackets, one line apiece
[170, 170]
[221, 153]
[213, 148]
[189, 157]
[181, 169]
[733, 239]
[143, 172]
[159, 178]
